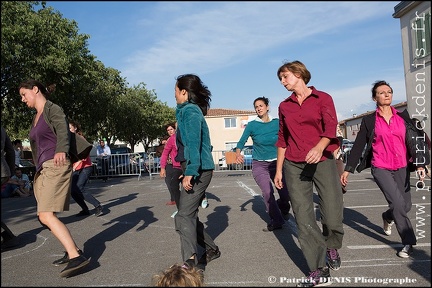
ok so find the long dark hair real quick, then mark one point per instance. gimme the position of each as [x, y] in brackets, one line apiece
[77, 125]
[199, 94]
[30, 83]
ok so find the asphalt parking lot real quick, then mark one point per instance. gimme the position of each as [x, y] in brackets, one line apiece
[135, 238]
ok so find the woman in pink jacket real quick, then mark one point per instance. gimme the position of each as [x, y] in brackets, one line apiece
[171, 169]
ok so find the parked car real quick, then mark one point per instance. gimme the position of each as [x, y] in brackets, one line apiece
[347, 145]
[346, 148]
[246, 165]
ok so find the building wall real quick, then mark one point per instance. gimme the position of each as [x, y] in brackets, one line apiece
[220, 135]
[417, 70]
[350, 127]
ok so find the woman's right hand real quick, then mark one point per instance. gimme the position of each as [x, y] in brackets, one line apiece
[344, 178]
[239, 159]
[278, 180]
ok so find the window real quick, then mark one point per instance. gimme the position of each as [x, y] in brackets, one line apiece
[421, 27]
[230, 122]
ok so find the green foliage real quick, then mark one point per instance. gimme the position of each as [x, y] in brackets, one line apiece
[37, 42]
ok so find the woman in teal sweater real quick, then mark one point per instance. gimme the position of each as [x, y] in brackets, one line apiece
[194, 154]
[264, 133]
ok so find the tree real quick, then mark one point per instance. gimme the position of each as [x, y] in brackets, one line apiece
[141, 117]
[42, 45]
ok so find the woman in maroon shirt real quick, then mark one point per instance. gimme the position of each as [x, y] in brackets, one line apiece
[306, 141]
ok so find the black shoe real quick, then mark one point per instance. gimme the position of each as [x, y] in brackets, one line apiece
[64, 259]
[10, 243]
[284, 212]
[98, 211]
[209, 255]
[270, 228]
[74, 266]
[83, 213]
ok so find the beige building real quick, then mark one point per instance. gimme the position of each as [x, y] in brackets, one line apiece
[226, 127]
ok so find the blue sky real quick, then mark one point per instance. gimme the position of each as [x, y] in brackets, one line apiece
[237, 47]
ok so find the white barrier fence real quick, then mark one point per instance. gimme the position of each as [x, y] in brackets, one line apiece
[130, 164]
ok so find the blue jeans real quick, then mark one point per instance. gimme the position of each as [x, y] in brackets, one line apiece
[8, 190]
[264, 173]
[79, 180]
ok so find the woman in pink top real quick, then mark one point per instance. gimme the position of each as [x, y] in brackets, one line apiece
[394, 147]
[171, 169]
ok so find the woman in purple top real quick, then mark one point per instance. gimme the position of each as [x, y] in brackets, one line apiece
[49, 141]
[393, 147]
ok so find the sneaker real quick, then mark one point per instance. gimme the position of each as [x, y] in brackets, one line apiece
[173, 215]
[406, 251]
[98, 211]
[319, 277]
[333, 259]
[271, 227]
[210, 255]
[204, 203]
[82, 213]
[64, 259]
[74, 266]
[387, 225]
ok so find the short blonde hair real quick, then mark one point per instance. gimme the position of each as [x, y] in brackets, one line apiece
[179, 276]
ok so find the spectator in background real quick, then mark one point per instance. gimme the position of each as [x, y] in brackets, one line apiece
[103, 152]
[82, 169]
[18, 185]
[19, 154]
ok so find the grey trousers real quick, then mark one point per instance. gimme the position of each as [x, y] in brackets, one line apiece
[300, 179]
[395, 186]
[187, 223]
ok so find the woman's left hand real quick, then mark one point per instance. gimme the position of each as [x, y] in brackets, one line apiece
[314, 155]
[187, 185]
[59, 159]
[421, 173]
